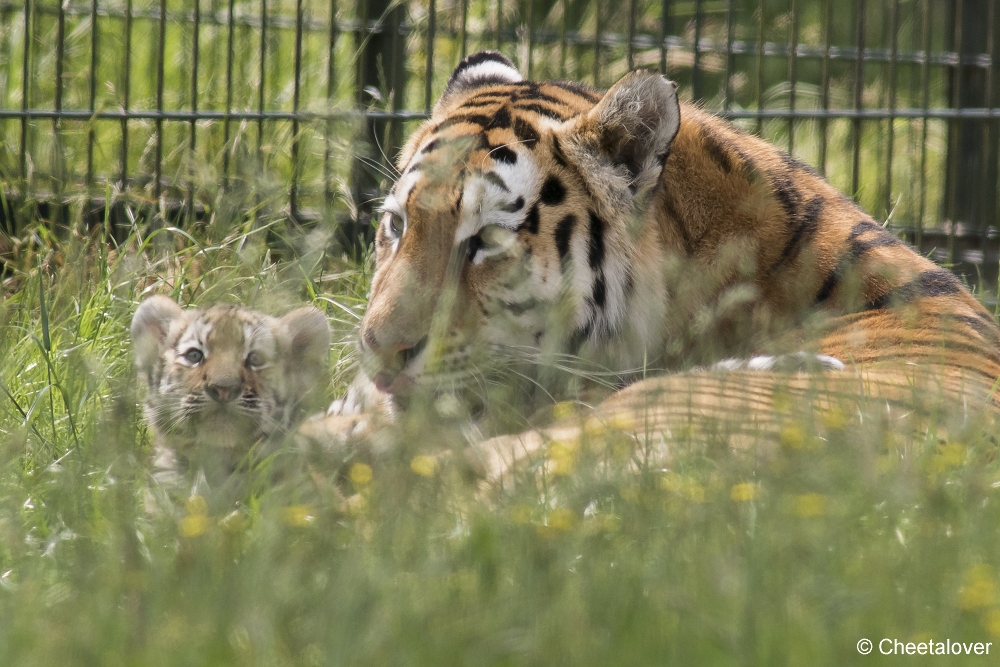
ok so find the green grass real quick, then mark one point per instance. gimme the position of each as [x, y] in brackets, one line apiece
[845, 532]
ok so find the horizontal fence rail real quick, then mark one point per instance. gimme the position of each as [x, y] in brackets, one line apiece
[302, 104]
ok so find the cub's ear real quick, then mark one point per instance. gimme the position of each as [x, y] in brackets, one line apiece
[485, 68]
[307, 335]
[150, 326]
[630, 129]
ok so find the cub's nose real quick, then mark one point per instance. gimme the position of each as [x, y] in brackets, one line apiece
[223, 392]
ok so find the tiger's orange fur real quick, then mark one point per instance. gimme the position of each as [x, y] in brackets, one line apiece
[638, 232]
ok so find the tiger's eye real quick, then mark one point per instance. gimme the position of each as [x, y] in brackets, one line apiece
[194, 356]
[256, 359]
[396, 225]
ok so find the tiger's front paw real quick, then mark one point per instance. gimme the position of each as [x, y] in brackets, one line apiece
[795, 362]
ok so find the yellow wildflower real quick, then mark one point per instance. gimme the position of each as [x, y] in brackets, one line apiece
[834, 419]
[196, 522]
[361, 474]
[793, 437]
[423, 465]
[978, 589]
[194, 525]
[562, 410]
[991, 621]
[563, 458]
[809, 505]
[947, 456]
[743, 492]
[683, 486]
[297, 515]
[562, 519]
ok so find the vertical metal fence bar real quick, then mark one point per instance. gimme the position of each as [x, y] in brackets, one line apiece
[760, 67]
[226, 148]
[429, 65]
[925, 85]
[160, 63]
[727, 92]
[696, 86]
[194, 107]
[531, 37]
[262, 85]
[859, 75]
[25, 93]
[296, 92]
[563, 46]
[331, 90]
[991, 162]
[630, 50]
[664, 33]
[992, 136]
[985, 174]
[951, 172]
[126, 92]
[92, 93]
[890, 134]
[824, 86]
[397, 88]
[597, 43]
[58, 176]
[499, 23]
[465, 25]
[793, 48]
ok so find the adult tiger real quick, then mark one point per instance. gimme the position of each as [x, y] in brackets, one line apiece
[638, 232]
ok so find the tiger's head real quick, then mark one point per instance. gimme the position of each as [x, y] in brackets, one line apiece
[517, 223]
[222, 378]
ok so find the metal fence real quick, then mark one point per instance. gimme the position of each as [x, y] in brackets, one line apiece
[297, 103]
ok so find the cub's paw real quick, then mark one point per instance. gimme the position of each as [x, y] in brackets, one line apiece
[796, 362]
[333, 433]
[362, 397]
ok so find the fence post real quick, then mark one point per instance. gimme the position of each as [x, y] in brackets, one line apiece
[380, 82]
[972, 143]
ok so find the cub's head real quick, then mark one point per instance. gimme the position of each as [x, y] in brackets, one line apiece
[516, 220]
[223, 377]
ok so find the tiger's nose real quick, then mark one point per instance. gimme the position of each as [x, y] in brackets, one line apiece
[394, 359]
[223, 392]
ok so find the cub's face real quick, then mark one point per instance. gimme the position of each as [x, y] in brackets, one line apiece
[510, 225]
[224, 377]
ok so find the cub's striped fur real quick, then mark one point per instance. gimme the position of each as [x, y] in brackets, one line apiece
[635, 231]
[219, 380]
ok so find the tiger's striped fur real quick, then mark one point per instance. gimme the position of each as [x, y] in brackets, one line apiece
[636, 231]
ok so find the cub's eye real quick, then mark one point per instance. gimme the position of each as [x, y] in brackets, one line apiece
[194, 356]
[395, 225]
[256, 360]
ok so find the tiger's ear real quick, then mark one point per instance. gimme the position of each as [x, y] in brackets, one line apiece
[307, 336]
[485, 68]
[150, 326]
[632, 127]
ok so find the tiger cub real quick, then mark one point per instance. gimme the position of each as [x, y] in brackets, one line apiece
[220, 380]
[626, 228]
